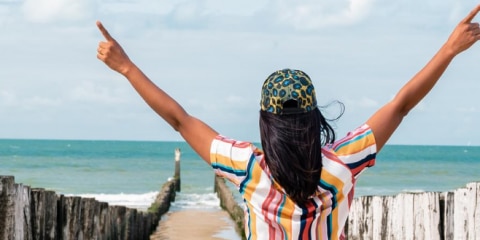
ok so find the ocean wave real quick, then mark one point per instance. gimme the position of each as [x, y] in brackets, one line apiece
[418, 190]
[196, 201]
[144, 200]
[139, 201]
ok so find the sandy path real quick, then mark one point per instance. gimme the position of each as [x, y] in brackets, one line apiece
[195, 224]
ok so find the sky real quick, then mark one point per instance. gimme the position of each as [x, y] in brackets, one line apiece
[212, 56]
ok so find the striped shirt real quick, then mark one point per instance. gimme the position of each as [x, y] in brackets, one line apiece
[270, 213]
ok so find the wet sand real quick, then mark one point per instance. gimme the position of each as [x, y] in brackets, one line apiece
[196, 224]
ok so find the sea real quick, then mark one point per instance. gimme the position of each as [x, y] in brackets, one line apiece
[131, 173]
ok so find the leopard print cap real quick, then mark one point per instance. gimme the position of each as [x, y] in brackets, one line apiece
[284, 85]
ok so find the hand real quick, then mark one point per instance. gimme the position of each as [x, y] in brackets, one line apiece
[465, 34]
[111, 53]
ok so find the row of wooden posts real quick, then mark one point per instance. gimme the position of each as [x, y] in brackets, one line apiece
[27, 213]
[34, 213]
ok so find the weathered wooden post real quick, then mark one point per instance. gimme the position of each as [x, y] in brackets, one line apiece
[15, 211]
[7, 217]
[230, 205]
[462, 213]
[177, 169]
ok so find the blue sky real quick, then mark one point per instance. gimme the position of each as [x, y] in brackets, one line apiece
[213, 56]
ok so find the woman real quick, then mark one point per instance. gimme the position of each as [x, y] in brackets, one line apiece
[302, 182]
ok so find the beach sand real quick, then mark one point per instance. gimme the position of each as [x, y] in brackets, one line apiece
[196, 224]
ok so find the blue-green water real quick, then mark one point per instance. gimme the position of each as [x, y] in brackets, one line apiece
[131, 172]
[421, 168]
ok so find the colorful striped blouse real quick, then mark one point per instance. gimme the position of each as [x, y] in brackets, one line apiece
[270, 213]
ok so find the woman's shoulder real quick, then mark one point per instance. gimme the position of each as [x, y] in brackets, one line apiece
[234, 148]
[359, 139]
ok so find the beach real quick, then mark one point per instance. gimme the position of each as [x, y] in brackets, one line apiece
[196, 224]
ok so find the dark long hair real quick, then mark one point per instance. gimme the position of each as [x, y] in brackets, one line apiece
[292, 147]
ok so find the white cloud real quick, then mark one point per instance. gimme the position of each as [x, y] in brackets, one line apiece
[8, 13]
[187, 8]
[312, 14]
[235, 8]
[44, 11]
[188, 12]
[10, 100]
[95, 93]
[249, 15]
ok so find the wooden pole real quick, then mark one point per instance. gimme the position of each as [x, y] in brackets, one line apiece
[177, 169]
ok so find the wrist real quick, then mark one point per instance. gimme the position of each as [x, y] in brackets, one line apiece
[449, 51]
[127, 69]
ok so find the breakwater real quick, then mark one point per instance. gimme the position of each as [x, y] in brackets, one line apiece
[27, 213]
[35, 213]
[422, 215]
[229, 204]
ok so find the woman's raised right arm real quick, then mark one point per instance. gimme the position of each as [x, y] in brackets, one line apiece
[195, 132]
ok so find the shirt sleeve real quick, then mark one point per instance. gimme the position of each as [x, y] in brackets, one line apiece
[357, 149]
[229, 158]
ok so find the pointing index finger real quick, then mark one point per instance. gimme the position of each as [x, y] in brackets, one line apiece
[104, 31]
[472, 14]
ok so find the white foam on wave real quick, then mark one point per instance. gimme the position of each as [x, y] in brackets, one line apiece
[139, 201]
[413, 191]
[144, 200]
[196, 201]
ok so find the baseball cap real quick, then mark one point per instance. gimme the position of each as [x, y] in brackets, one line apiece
[288, 91]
